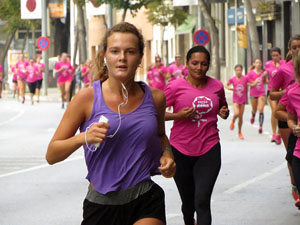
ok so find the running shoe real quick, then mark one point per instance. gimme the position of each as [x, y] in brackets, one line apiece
[241, 136]
[297, 204]
[260, 129]
[231, 125]
[295, 193]
[23, 100]
[273, 138]
[252, 120]
[278, 140]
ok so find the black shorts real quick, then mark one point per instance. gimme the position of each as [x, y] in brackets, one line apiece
[290, 149]
[39, 84]
[282, 124]
[15, 81]
[149, 205]
[32, 87]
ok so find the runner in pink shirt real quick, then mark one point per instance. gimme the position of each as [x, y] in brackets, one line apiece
[293, 109]
[240, 84]
[14, 81]
[176, 70]
[22, 75]
[64, 70]
[32, 76]
[197, 101]
[158, 74]
[272, 67]
[1, 78]
[41, 69]
[85, 73]
[257, 92]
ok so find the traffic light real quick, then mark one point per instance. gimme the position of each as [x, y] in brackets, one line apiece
[242, 35]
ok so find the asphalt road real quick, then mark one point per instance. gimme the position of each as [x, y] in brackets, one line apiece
[253, 187]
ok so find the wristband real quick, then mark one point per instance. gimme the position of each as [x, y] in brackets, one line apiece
[167, 149]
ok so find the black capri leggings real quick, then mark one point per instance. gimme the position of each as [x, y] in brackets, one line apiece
[296, 171]
[195, 179]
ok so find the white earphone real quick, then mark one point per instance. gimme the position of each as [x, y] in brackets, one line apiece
[104, 61]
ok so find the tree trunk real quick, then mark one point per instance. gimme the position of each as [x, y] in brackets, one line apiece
[33, 41]
[104, 21]
[8, 41]
[252, 31]
[214, 36]
[75, 47]
[125, 10]
[81, 34]
[61, 35]
[25, 40]
[162, 45]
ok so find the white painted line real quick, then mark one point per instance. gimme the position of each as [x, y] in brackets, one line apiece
[255, 179]
[37, 167]
[173, 215]
[21, 112]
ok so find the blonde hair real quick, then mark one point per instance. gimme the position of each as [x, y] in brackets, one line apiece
[288, 56]
[296, 62]
[99, 70]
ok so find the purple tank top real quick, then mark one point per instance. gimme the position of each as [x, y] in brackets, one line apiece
[133, 154]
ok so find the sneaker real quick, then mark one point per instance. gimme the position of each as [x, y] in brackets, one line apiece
[241, 136]
[231, 125]
[273, 138]
[260, 129]
[297, 204]
[252, 120]
[23, 100]
[278, 140]
[295, 193]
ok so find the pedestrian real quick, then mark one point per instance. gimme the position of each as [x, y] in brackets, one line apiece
[85, 73]
[14, 81]
[159, 73]
[22, 75]
[39, 78]
[64, 70]
[78, 78]
[1, 79]
[257, 80]
[196, 100]
[177, 70]
[240, 84]
[119, 169]
[271, 67]
[32, 71]
[293, 119]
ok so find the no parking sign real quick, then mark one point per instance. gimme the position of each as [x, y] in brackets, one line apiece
[201, 37]
[43, 43]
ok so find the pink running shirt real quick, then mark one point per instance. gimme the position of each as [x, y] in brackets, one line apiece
[284, 99]
[40, 67]
[259, 89]
[175, 71]
[294, 107]
[197, 136]
[284, 76]
[32, 73]
[86, 78]
[272, 70]
[13, 70]
[64, 75]
[239, 89]
[21, 69]
[158, 80]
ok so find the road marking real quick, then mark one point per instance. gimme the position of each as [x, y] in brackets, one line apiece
[21, 112]
[173, 215]
[38, 167]
[255, 179]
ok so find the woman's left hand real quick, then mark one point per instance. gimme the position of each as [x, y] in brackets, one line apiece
[168, 166]
[224, 112]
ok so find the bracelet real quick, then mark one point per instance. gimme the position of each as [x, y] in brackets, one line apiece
[85, 138]
[167, 149]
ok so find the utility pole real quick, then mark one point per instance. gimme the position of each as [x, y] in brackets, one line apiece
[110, 16]
[45, 53]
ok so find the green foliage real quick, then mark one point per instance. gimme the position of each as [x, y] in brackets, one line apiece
[163, 14]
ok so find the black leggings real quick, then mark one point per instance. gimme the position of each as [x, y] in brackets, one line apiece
[296, 171]
[195, 179]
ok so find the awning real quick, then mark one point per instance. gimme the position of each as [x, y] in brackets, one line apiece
[187, 26]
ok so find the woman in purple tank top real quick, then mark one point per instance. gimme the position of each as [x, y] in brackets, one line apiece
[123, 153]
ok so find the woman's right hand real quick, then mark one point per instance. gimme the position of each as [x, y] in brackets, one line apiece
[186, 113]
[97, 133]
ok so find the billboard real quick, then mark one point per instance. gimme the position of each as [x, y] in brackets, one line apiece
[95, 10]
[31, 9]
[57, 8]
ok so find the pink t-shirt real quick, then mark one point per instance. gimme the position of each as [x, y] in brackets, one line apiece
[40, 67]
[272, 70]
[65, 74]
[239, 89]
[13, 70]
[21, 69]
[284, 76]
[294, 107]
[284, 99]
[259, 89]
[197, 136]
[32, 73]
[176, 72]
[157, 77]
[86, 78]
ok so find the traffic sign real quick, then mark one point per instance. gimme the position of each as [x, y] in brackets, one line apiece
[43, 43]
[201, 37]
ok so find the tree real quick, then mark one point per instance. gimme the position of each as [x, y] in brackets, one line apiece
[214, 35]
[252, 30]
[163, 15]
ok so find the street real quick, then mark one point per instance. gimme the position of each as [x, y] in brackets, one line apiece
[253, 187]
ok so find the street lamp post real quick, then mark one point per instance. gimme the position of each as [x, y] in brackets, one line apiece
[45, 53]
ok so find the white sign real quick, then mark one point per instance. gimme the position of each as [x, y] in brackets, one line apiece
[184, 2]
[94, 10]
[31, 9]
